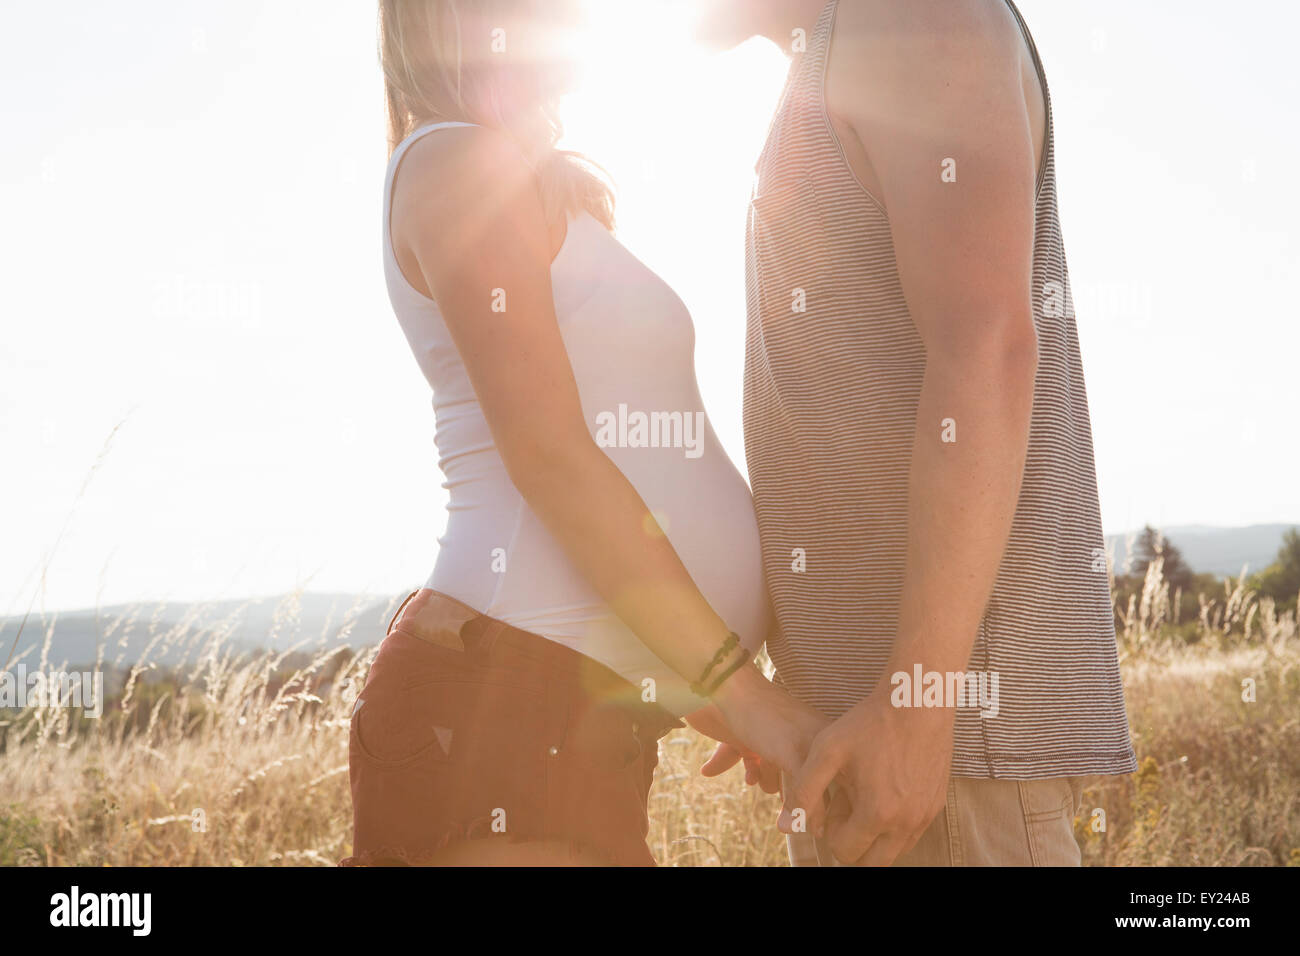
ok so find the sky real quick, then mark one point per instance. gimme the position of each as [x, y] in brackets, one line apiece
[204, 393]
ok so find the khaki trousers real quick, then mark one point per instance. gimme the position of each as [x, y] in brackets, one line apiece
[984, 823]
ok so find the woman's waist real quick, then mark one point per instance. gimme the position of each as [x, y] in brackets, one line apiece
[475, 646]
[531, 585]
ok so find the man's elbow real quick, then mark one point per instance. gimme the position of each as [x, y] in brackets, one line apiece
[1017, 353]
[1002, 349]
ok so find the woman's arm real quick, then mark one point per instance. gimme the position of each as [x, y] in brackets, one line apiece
[467, 211]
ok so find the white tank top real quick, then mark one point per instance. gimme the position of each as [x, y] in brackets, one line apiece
[631, 344]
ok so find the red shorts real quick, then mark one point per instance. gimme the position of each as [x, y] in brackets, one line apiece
[469, 728]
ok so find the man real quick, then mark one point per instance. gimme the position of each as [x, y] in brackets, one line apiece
[917, 432]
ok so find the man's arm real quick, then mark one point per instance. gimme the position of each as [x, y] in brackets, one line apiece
[929, 86]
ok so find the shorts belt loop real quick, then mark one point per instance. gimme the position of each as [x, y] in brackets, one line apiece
[491, 631]
[400, 608]
[956, 849]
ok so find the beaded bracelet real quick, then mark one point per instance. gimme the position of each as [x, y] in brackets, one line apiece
[736, 665]
[730, 644]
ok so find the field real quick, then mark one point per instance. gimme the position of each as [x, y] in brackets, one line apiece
[237, 762]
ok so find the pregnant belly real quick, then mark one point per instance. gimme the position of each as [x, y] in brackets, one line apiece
[524, 578]
[706, 511]
[716, 537]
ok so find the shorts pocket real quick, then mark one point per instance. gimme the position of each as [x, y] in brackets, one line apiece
[1049, 807]
[478, 726]
[602, 737]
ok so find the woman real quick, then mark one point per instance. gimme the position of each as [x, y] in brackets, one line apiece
[599, 574]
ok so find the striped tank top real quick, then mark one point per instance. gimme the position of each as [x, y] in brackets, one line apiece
[832, 381]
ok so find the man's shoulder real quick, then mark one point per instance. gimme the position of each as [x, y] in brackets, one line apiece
[889, 51]
[931, 13]
[897, 30]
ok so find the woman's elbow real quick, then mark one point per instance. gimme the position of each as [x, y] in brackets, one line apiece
[541, 466]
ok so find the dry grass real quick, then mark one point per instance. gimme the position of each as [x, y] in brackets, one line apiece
[245, 762]
[1219, 776]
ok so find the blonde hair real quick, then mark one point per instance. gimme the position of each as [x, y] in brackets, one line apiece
[444, 60]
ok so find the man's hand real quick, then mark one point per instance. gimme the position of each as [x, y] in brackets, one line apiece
[892, 765]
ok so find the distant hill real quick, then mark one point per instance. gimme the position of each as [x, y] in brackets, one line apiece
[126, 630]
[316, 620]
[1211, 550]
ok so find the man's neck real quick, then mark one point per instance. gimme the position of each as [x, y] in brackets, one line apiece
[779, 18]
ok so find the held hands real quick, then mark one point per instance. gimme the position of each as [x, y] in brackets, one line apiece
[890, 765]
[759, 723]
[729, 752]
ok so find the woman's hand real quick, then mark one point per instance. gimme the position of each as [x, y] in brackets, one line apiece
[759, 723]
[708, 720]
[758, 772]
